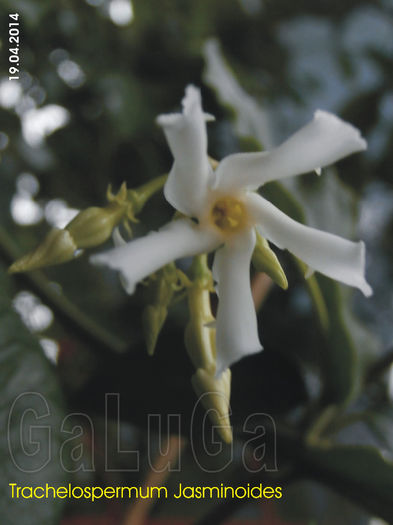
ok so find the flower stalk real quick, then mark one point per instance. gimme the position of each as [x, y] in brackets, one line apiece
[200, 334]
[200, 340]
[138, 197]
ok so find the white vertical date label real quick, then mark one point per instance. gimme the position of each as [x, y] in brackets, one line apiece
[13, 46]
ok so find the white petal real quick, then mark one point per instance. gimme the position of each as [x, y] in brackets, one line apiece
[118, 240]
[323, 141]
[138, 259]
[329, 254]
[237, 331]
[187, 183]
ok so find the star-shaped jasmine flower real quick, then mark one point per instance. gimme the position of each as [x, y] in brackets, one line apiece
[228, 213]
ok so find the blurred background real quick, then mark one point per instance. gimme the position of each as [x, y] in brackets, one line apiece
[94, 74]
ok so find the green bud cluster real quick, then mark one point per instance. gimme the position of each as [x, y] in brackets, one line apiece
[90, 228]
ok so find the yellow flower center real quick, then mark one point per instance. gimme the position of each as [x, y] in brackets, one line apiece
[229, 215]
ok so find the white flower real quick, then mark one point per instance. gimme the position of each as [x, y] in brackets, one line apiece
[228, 211]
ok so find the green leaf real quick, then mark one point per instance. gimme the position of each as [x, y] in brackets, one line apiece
[30, 403]
[359, 473]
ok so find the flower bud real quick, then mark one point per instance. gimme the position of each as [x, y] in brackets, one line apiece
[162, 286]
[57, 247]
[93, 226]
[265, 260]
[214, 393]
[153, 319]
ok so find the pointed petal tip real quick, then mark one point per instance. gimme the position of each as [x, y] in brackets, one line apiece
[366, 289]
[362, 143]
[209, 117]
[129, 286]
[169, 119]
[105, 259]
[191, 101]
[363, 285]
[352, 133]
[191, 98]
[222, 365]
[98, 259]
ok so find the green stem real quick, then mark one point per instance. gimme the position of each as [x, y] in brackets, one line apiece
[67, 313]
[200, 271]
[141, 195]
